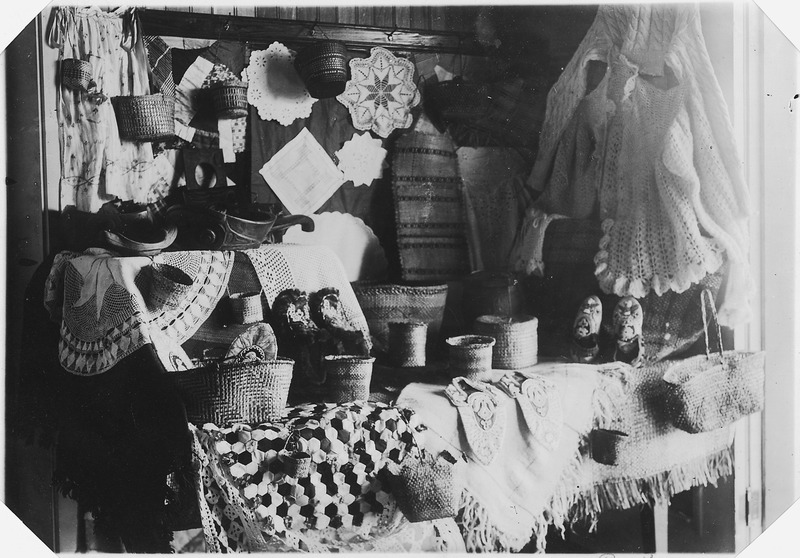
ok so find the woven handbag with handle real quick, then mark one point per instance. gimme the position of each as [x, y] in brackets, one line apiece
[707, 392]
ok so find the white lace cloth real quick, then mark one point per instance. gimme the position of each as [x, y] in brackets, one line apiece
[362, 159]
[651, 148]
[274, 87]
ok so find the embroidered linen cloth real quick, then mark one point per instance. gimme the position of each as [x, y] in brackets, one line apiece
[650, 152]
[96, 166]
[521, 491]
[107, 310]
[250, 502]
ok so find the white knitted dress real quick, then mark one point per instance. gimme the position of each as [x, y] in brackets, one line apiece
[649, 151]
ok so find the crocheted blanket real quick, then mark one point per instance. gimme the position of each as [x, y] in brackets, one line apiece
[250, 501]
[516, 496]
[107, 307]
[650, 152]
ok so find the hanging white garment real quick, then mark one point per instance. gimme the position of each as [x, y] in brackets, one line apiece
[649, 151]
[96, 166]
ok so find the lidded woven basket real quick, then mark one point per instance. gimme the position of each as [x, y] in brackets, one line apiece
[145, 117]
[323, 68]
[516, 336]
[347, 377]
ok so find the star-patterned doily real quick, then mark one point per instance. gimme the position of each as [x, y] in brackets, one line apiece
[362, 159]
[381, 92]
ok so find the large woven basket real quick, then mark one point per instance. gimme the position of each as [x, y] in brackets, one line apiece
[249, 392]
[323, 68]
[145, 117]
[433, 258]
[471, 356]
[229, 100]
[516, 336]
[384, 303]
[76, 74]
[347, 377]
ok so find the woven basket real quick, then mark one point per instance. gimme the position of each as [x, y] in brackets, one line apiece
[492, 293]
[516, 340]
[605, 445]
[145, 117]
[246, 307]
[707, 392]
[471, 356]
[427, 487]
[164, 285]
[76, 74]
[347, 377]
[433, 258]
[323, 68]
[296, 464]
[249, 392]
[384, 303]
[407, 343]
[229, 100]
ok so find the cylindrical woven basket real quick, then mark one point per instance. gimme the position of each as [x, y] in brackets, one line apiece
[296, 464]
[471, 356]
[248, 392]
[166, 285]
[384, 303]
[606, 444]
[348, 377]
[407, 343]
[76, 74]
[516, 336]
[229, 100]
[246, 307]
[145, 117]
[323, 68]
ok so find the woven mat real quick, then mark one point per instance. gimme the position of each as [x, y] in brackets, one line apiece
[248, 503]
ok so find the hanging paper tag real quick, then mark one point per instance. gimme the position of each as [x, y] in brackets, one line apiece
[226, 140]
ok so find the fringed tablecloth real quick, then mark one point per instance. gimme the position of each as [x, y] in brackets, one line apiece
[656, 460]
[248, 502]
[524, 489]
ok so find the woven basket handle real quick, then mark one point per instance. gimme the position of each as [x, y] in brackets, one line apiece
[707, 298]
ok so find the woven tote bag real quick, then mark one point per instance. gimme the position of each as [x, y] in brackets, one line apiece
[707, 392]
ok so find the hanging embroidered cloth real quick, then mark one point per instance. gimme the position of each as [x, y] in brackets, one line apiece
[96, 166]
[362, 159]
[381, 92]
[650, 152]
[274, 87]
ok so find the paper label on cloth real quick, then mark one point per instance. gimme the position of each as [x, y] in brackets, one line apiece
[226, 140]
[302, 174]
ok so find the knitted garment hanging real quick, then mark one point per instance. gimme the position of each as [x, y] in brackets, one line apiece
[650, 151]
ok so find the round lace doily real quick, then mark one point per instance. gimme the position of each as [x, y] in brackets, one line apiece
[381, 92]
[362, 159]
[274, 87]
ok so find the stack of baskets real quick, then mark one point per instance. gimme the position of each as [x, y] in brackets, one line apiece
[429, 209]
[323, 68]
[145, 117]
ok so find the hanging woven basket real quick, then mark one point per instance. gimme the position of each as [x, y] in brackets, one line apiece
[76, 74]
[323, 68]
[145, 117]
[229, 100]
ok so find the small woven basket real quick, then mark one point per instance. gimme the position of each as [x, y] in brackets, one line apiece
[516, 336]
[323, 68]
[165, 285]
[348, 377]
[384, 303]
[407, 343]
[145, 117]
[246, 307]
[76, 74]
[471, 356]
[427, 487]
[229, 100]
[296, 464]
[247, 392]
[606, 444]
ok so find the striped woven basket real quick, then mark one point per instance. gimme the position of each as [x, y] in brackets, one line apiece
[223, 393]
[517, 339]
[323, 68]
[347, 377]
[229, 100]
[145, 117]
[384, 303]
[76, 74]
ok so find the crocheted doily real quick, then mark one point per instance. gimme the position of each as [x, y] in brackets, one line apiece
[274, 87]
[362, 159]
[381, 92]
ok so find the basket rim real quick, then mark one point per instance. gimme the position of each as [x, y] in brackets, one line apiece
[471, 340]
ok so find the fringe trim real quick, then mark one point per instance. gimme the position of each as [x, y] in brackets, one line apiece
[478, 531]
[627, 493]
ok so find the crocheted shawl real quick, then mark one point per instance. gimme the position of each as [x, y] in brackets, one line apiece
[649, 151]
